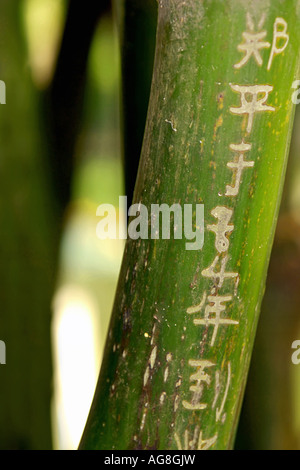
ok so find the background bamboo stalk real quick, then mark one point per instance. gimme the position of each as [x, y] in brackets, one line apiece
[137, 30]
[28, 251]
[36, 170]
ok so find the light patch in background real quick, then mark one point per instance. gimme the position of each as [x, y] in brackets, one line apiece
[82, 306]
[43, 23]
[76, 362]
[88, 267]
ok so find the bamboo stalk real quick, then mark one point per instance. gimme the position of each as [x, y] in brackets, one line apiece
[217, 133]
[137, 31]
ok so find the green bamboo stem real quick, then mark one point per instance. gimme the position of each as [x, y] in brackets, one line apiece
[172, 376]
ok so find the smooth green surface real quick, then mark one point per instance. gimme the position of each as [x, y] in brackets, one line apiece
[146, 374]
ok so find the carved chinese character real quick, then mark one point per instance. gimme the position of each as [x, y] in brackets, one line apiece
[219, 411]
[197, 442]
[255, 104]
[279, 33]
[200, 377]
[223, 214]
[253, 43]
[216, 306]
[219, 276]
[238, 167]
